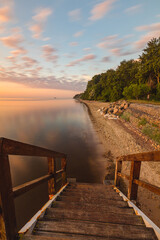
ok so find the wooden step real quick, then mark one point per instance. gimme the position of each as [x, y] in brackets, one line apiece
[92, 194]
[89, 186]
[60, 236]
[97, 200]
[92, 207]
[96, 229]
[72, 214]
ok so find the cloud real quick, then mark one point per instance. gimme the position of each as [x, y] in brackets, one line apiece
[5, 14]
[108, 41]
[39, 20]
[87, 49]
[73, 44]
[158, 15]
[106, 59]
[101, 9]
[153, 31]
[133, 9]
[48, 53]
[29, 62]
[121, 52]
[12, 41]
[151, 27]
[78, 34]
[75, 15]
[83, 59]
[19, 51]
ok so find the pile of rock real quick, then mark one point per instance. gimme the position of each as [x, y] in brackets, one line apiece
[114, 110]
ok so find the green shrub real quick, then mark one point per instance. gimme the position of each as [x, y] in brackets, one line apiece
[142, 122]
[126, 116]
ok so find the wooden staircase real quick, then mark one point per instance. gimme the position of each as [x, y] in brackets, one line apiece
[91, 212]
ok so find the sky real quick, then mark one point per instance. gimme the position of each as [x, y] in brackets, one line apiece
[52, 48]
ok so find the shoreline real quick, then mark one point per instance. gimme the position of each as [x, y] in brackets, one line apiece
[119, 138]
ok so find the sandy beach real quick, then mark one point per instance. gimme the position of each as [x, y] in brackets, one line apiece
[119, 138]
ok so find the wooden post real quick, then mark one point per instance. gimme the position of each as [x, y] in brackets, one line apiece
[55, 176]
[7, 199]
[2, 224]
[134, 174]
[118, 169]
[63, 166]
[51, 181]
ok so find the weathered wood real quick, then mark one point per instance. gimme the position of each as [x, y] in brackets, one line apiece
[8, 207]
[11, 147]
[63, 166]
[55, 176]
[148, 186]
[134, 174]
[51, 181]
[97, 229]
[97, 201]
[2, 224]
[122, 175]
[17, 191]
[118, 170]
[108, 217]
[146, 156]
[92, 207]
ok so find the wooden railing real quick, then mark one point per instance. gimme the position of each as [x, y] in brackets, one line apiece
[134, 180]
[7, 193]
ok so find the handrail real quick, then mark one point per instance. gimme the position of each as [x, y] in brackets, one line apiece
[7, 193]
[134, 181]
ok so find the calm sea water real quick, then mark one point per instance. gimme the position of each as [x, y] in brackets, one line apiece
[60, 125]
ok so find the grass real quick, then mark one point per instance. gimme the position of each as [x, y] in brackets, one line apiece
[126, 116]
[145, 101]
[152, 132]
[142, 122]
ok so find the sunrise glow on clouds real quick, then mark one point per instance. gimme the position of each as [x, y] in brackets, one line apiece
[60, 44]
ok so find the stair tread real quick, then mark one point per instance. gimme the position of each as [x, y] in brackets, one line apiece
[92, 207]
[58, 214]
[96, 229]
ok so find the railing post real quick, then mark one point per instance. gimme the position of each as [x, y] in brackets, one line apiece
[118, 169]
[134, 174]
[7, 199]
[63, 166]
[2, 224]
[51, 169]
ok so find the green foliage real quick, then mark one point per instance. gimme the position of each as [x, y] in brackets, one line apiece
[132, 79]
[142, 122]
[126, 116]
[152, 132]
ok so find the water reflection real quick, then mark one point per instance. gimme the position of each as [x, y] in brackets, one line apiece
[61, 125]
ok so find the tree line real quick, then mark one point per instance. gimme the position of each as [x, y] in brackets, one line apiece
[133, 79]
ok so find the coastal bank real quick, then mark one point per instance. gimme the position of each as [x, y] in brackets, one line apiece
[120, 137]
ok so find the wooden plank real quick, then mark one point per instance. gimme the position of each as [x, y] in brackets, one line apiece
[134, 174]
[122, 175]
[7, 199]
[97, 201]
[146, 156]
[2, 223]
[117, 170]
[17, 191]
[92, 207]
[11, 147]
[78, 214]
[51, 181]
[63, 166]
[97, 229]
[148, 186]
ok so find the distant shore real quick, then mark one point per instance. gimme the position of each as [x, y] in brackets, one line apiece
[120, 138]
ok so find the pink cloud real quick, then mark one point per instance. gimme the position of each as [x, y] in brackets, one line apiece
[29, 62]
[73, 44]
[48, 53]
[151, 27]
[100, 9]
[133, 9]
[141, 43]
[5, 14]
[75, 15]
[19, 51]
[12, 41]
[83, 59]
[78, 34]
[37, 27]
